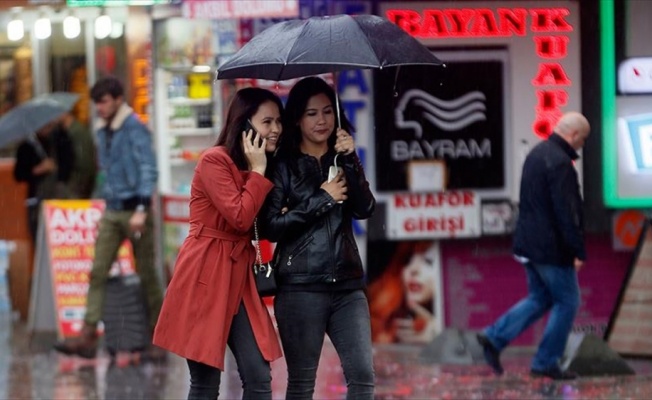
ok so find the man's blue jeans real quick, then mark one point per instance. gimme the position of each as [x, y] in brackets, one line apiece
[550, 287]
[304, 318]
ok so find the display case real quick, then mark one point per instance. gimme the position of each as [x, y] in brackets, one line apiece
[187, 121]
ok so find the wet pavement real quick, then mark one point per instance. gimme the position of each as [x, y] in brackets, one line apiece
[29, 369]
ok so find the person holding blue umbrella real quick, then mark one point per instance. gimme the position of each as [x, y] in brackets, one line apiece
[44, 161]
[84, 173]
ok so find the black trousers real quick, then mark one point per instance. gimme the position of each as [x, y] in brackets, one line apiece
[305, 318]
[254, 371]
[33, 216]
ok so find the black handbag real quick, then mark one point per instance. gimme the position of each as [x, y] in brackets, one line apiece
[263, 272]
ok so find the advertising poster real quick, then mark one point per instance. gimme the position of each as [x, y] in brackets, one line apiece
[176, 225]
[404, 291]
[65, 257]
[455, 116]
[482, 280]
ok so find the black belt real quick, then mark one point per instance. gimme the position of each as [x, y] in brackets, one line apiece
[131, 203]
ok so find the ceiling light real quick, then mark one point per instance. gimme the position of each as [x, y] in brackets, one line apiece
[103, 26]
[42, 28]
[15, 30]
[117, 30]
[71, 27]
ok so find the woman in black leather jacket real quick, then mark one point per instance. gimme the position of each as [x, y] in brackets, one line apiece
[318, 266]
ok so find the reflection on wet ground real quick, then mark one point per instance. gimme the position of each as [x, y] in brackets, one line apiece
[30, 370]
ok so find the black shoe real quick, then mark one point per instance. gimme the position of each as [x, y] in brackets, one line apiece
[491, 355]
[155, 354]
[554, 373]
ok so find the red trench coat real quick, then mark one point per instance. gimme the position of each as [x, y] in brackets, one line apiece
[213, 273]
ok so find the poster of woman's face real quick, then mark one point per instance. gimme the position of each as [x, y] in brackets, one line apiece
[419, 276]
[404, 291]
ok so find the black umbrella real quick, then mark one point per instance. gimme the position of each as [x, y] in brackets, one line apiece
[318, 45]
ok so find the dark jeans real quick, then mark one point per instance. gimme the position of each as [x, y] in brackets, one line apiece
[550, 287]
[303, 320]
[255, 372]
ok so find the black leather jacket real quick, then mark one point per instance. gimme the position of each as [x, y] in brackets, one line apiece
[315, 243]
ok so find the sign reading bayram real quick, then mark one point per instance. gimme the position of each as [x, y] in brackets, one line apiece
[454, 115]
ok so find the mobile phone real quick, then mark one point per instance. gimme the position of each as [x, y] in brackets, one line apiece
[249, 126]
[333, 171]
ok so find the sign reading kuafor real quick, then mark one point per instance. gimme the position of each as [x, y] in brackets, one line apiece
[433, 215]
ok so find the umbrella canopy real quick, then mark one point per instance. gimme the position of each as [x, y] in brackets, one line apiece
[27, 118]
[66, 99]
[318, 45]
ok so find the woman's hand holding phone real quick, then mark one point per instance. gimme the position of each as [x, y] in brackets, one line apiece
[336, 187]
[254, 149]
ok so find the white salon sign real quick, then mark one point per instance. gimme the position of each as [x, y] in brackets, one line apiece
[433, 215]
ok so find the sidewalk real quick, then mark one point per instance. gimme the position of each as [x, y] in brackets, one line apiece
[30, 370]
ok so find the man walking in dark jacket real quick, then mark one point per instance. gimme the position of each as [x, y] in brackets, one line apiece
[549, 242]
[45, 161]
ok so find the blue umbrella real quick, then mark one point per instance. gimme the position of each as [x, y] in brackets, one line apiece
[27, 118]
[66, 99]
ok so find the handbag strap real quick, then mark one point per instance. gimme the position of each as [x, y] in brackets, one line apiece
[259, 258]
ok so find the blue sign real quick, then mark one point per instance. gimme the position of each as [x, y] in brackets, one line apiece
[640, 134]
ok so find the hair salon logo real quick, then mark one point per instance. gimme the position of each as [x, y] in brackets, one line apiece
[447, 115]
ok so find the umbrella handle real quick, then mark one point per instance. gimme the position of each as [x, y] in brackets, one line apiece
[337, 101]
[337, 106]
[38, 147]
[395, 80]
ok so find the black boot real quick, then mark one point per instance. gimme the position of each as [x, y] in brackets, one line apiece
[84, 346]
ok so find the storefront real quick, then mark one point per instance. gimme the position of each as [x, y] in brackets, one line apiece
[49, 46]
[189, 104]
[452, 146]
[443, 148]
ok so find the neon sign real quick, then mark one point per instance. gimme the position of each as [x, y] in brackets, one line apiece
[479, 22]
[548, 26]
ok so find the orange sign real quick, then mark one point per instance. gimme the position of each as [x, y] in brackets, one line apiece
[71, 229]
[627, 227]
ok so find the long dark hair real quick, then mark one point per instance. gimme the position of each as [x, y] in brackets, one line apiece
[296, 105]
[244, 105]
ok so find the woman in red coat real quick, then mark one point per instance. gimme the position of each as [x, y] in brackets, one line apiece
[212, 299]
